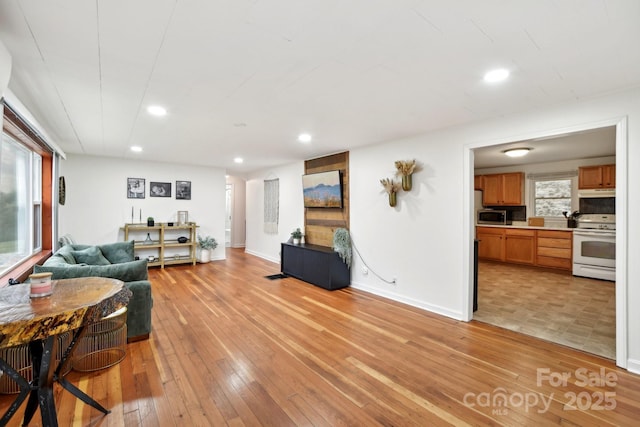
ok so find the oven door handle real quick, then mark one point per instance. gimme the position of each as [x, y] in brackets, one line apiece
[586, 233]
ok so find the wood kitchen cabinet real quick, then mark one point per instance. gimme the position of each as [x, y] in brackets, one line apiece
[554, 249]
[503, 189]
[603, 176]
[520, 246]
[544, 248]
[490, 243]
[478, 182]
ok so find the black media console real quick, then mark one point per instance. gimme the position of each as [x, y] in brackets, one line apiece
[318, 265]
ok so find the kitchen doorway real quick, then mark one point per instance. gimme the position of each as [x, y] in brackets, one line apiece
[530, 279]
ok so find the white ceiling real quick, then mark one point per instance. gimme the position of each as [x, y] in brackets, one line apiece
[245, 77]
[577, 145]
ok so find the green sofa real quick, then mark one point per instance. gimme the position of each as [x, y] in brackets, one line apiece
[114, 260]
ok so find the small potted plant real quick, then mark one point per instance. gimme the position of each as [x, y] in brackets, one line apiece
[296, 235]
[150, 221]
[206, 244]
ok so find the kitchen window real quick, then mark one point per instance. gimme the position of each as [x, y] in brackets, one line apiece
[552, 197]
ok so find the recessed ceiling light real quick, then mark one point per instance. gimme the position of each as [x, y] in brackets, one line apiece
[517, 152]
[136, 149]
[156, 110]
[238, 160]
[496, 75]
[304, 137]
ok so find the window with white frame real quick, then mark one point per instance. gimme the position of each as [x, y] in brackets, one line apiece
[552, 197]
[20, 202]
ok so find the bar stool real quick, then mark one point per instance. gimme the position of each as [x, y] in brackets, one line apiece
[20, 359]
[104, 343]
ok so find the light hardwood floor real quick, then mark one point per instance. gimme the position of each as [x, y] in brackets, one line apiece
[549, 304]
[230, 347]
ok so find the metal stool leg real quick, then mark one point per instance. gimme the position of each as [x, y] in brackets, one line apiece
[25, 389]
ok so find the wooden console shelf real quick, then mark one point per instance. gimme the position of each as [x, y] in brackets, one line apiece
[318, 265]
[164, 246]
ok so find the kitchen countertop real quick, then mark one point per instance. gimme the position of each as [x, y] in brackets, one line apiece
[527, 227]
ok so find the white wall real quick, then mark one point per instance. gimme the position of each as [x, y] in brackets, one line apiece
[97, 205]
[238, 211]
[291, 212]
[5, 68]
[5, 74]
[425, 242]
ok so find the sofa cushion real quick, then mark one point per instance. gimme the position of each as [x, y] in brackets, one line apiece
[90, 256]
[118, 252]
[126, 271]
[63, 255]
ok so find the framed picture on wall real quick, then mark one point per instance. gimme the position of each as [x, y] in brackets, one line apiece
[183, 190]
[160, 189]
[135, 188]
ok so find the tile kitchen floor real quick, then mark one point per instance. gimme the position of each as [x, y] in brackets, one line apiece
[552, 305]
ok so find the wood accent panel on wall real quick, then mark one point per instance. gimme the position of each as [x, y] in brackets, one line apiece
[320, 223]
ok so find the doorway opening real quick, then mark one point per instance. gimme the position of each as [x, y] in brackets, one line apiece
[228, 215]
[531, 298]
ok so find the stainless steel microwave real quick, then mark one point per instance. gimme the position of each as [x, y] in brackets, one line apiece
[493, 217]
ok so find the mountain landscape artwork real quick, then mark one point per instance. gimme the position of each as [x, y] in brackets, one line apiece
[322, 190]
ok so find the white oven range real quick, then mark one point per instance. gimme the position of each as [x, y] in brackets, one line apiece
[594, 247]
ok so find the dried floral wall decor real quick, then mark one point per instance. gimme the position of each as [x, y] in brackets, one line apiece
[391, 187]
[405, 169]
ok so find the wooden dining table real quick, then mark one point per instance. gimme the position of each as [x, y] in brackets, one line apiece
[38, 321]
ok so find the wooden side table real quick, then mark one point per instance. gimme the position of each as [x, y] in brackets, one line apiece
[73, 305]
[20, 359]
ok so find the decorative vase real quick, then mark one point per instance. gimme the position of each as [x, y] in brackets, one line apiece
[406, 182]
[205, 255]
[148, 240]
[296, 241]
[150, 223]
[392, 199]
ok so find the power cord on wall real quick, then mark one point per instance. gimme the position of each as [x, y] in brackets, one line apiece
[390, 282]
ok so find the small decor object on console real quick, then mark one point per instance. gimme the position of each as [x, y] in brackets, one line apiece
[150, 222]
[41, 284]
[183, 217]
[182, 239]
[405, 169]
[297, 236]
[391, 187]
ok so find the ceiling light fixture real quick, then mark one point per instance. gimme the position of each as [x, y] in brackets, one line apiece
[136, 149]
[304, 137]
[497, 75]
[517, 152]
[156, 110]
[238, 160]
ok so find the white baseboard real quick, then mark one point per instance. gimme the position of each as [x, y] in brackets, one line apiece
[409, 301]
[263, 256]
[633, 366]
